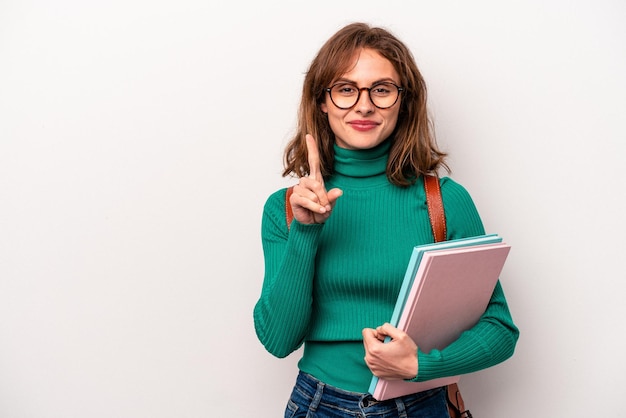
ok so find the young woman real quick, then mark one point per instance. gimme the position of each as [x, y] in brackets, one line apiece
[363, 142]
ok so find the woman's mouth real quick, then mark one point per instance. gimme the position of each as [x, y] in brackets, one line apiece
[363, 125]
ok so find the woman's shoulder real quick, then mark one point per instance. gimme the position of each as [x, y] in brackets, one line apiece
[451, 186]
[455, 193]
[462, 215]
[277, 194]
[275, 202]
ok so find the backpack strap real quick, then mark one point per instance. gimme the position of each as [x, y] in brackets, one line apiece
[435, 207]
[456, 406]
[288, 210]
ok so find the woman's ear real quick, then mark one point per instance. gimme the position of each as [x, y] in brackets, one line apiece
[324, 108]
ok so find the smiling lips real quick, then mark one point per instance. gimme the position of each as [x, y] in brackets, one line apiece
[363, 125]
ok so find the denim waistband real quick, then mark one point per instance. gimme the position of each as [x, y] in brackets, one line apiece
[310, 384]
[317, 389]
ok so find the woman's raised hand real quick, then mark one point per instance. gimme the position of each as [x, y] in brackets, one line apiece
[310, 202]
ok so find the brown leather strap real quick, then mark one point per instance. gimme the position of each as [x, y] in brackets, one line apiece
[288, 209]
[435, 207]
[456, 406]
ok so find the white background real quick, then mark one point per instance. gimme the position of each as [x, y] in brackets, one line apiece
[139, 140]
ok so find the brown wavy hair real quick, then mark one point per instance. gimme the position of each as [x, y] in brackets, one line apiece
[413, 150]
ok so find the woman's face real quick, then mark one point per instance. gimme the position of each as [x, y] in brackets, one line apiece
[364, 125]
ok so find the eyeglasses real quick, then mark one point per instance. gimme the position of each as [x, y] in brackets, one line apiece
[382, 95]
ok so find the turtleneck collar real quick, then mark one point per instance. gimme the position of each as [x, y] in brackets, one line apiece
[361, 164]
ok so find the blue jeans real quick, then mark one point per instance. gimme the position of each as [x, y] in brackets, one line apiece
[313, 399]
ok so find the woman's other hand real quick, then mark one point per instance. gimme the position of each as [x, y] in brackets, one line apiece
[394, 360]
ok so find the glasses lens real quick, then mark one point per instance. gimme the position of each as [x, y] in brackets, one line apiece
[344, 95]
[382, 95]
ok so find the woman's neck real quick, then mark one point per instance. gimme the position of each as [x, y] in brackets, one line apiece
[354, 166]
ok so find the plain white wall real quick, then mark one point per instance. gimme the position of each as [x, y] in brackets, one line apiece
[139, 140]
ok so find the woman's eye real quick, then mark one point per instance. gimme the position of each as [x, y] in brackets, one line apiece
[348, 90]
[381, 90]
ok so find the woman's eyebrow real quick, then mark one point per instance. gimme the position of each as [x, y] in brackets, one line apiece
[382, 80]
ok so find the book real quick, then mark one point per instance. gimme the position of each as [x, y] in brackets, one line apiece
[416, 257]
[445, 291]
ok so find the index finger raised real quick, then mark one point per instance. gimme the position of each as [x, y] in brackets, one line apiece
[313, 157]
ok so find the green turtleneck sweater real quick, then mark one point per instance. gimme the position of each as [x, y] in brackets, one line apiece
[324, 283]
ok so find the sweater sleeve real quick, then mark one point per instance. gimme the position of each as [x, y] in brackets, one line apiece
[283, 311]
[492, 340]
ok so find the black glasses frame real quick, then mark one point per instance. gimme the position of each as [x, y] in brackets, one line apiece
[369, 94]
